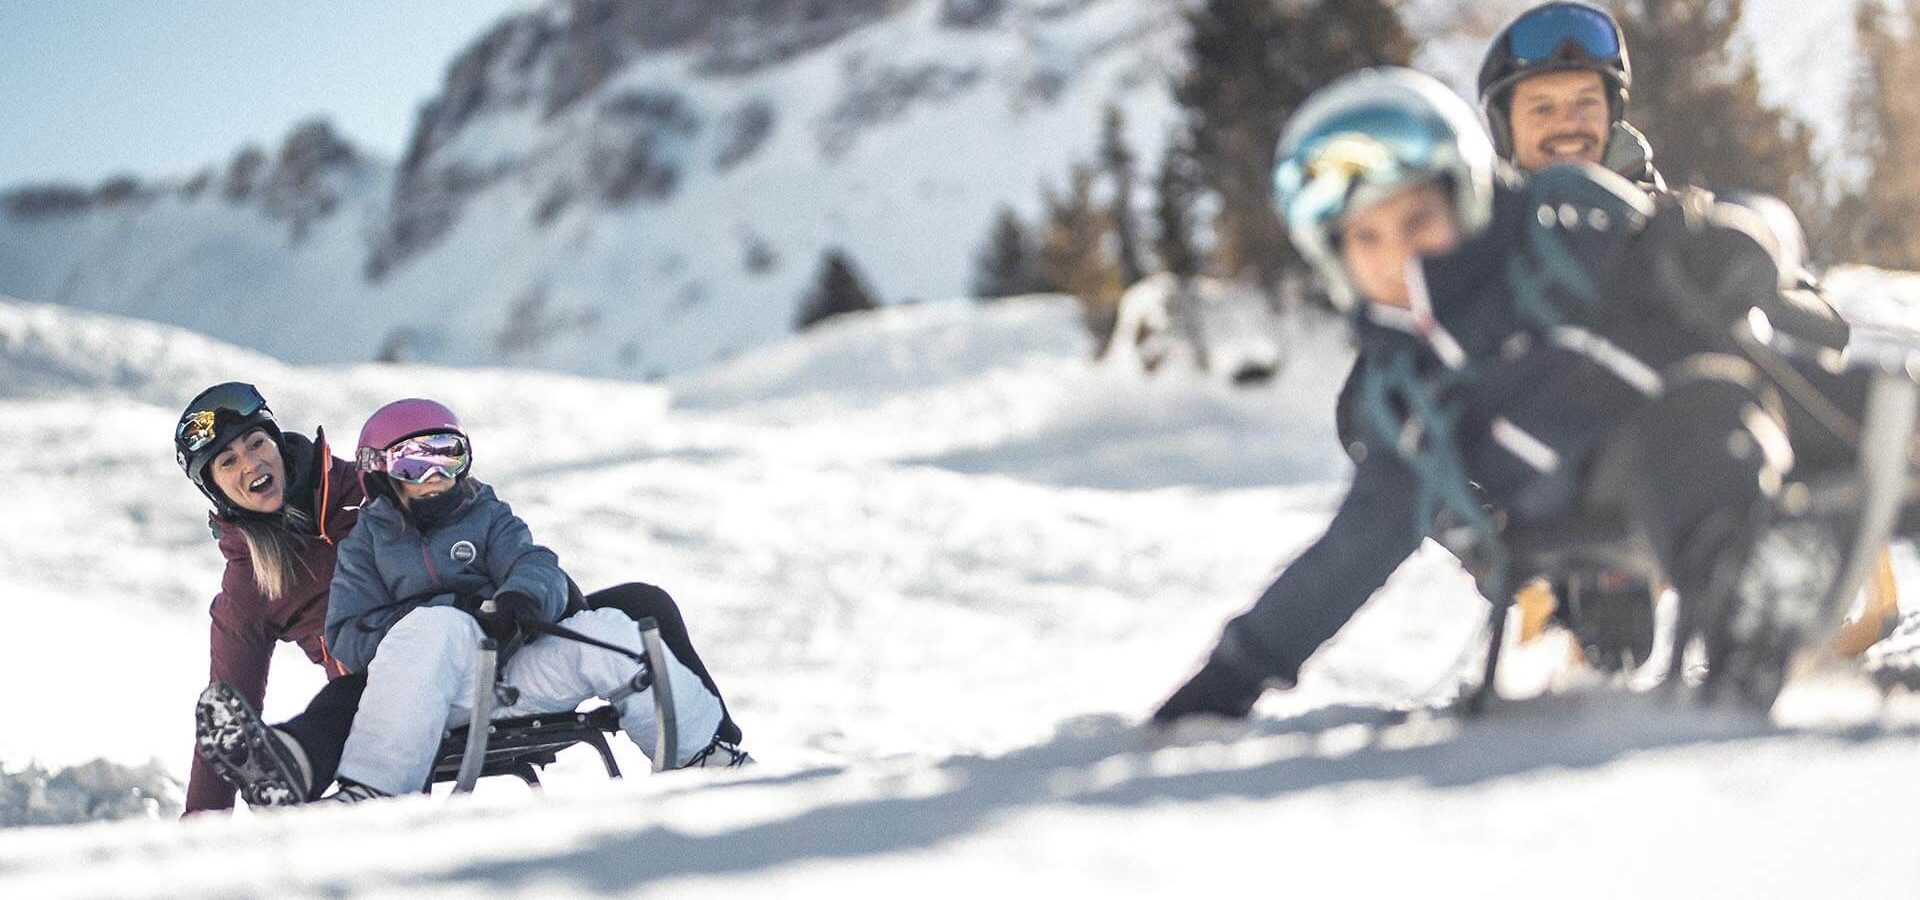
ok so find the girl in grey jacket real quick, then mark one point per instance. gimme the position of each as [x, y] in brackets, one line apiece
[432, 544]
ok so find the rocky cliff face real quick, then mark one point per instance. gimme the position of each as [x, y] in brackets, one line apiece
[555, 61]
[303, 182]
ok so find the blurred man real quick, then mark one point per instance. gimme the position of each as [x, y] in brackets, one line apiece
[1554, 88]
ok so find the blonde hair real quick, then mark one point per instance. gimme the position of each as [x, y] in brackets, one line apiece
[273, 547]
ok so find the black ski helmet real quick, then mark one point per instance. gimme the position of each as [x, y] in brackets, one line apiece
[209, 423]
[1560, 36]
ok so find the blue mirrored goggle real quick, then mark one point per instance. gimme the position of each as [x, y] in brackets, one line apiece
[1543, 34]
[1376, 146]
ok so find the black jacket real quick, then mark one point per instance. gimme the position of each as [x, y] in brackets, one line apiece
[1548, 330]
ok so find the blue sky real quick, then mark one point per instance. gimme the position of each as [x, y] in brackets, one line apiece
[92, 88]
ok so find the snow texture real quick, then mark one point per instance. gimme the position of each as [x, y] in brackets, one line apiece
[942, 564]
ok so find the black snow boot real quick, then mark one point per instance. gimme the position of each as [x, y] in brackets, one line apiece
[720, 755]
[1894, 662]
[1773, 608]
[266, 766]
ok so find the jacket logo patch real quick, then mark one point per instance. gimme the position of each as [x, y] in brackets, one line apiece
[463, 552]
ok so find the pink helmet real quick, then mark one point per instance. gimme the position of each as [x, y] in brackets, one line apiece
[396, 422]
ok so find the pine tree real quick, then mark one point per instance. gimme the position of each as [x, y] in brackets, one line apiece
[1176, 188]
[1117, 159]
[1073, 257]
[1696, 94]
[1252, 62]
[840, 290]
[1005, 266]
[1878, 221]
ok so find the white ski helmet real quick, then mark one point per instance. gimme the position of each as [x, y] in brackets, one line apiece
[1361, 138]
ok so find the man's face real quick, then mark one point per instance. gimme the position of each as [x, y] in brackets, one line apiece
[1379, 242]
[1559, 117]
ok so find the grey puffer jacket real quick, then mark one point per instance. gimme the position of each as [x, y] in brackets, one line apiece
[388, 567]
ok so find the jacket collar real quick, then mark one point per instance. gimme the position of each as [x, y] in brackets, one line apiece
[386, 512]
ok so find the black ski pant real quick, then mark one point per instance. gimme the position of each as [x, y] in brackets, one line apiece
[321, 729]
[645, 601]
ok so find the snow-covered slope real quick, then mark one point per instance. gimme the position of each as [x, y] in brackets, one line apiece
[941, 565]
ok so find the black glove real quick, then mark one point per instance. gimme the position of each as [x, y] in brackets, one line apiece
[1706, 268]
[512, 619]
[1214, 690]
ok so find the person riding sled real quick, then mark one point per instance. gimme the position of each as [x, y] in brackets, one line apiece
[436, 563]
[1555, 86]
[1532, 352]
[282, 503]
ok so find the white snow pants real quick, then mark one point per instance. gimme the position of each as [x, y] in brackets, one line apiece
[421, 682]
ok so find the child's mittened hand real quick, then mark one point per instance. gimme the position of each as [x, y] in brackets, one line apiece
[512, 613]
[515, 607]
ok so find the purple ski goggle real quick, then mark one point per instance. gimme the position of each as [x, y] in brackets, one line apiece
[417, 459]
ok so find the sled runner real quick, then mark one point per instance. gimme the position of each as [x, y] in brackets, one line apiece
[523, 745]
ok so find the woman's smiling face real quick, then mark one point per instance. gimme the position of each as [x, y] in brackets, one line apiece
[250, 473]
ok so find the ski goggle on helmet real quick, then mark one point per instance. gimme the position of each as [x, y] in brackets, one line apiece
[1563, 30]
[210, 422]
[417, 459]
[1361, 139]
[412, 440]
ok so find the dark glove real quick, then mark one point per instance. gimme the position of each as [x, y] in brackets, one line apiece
[512, 620]
[1709, 268]
[1214, 690]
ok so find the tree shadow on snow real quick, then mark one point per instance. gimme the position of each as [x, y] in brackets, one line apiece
[1106, 762]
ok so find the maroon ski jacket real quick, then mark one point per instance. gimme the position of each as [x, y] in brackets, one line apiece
[246, 625]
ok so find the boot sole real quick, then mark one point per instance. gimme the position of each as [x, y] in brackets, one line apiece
[240, 747]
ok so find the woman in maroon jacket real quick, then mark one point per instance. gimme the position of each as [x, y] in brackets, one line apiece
[281, 504]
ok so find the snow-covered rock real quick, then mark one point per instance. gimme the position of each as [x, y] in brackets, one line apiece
[1226, 328]
[89, 792]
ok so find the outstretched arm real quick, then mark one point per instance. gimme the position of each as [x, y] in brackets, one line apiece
[1375, 530]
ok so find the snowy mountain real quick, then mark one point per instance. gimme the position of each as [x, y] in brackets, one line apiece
[640, 187]
[627, 188]
[941, 565]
